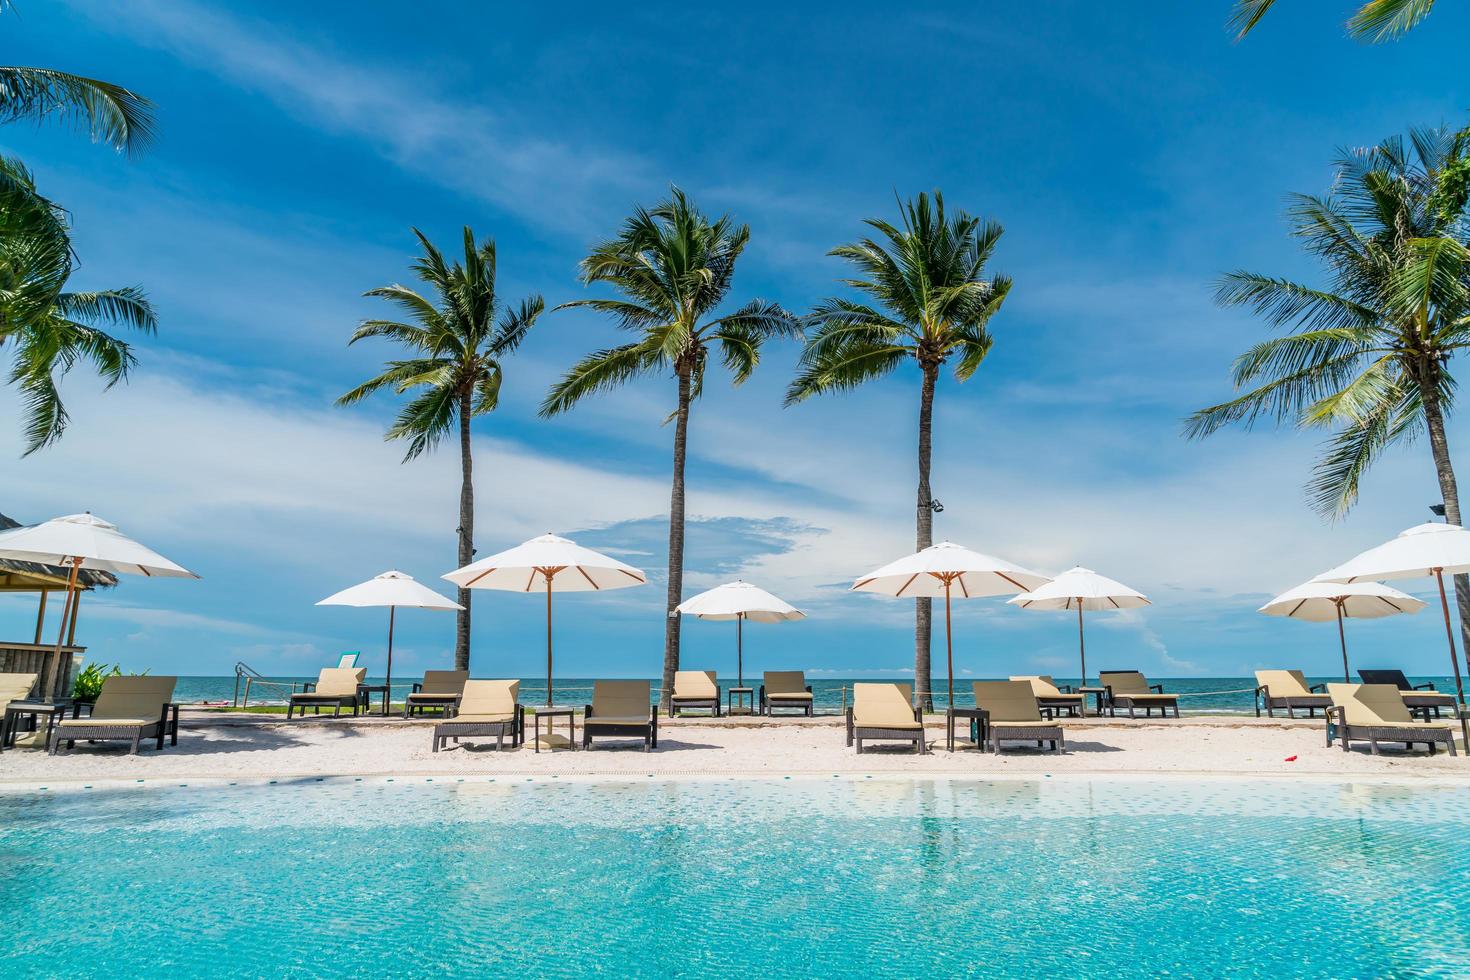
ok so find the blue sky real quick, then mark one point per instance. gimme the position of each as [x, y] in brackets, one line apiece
[1130, 162]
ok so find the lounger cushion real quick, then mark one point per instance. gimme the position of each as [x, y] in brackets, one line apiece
[1286, 684]
[1025, 724]
[695, 685]
[1129, 682]
[1007, 701]
[1044, 687]
[442, 682]
[125, 699]
[16, 687]
[108, 722]
[339, 681]
[789, 696]
[480, 719]
[496, 698]
[616, 702]
[883, 706]
[1153, 698]
[1370, 705]
[786, 683]
[597, 719]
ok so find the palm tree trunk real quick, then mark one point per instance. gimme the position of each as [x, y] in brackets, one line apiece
[676, 543]
[466, 532]
[923, 611]
[1439, 447]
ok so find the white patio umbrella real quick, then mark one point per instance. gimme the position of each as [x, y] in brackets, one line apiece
[395, 590]
[740, 601]
[553, 564]
[1321, 602]
[942, 569]
[1081, 589]
[83, 541]
[1424, 550]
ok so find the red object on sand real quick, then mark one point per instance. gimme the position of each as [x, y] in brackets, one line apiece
[1291, 758]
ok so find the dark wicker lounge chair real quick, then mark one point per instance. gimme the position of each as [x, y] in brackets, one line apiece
[694, 689]
[884, 712]
[128, 709]
[621, 709]
[1052, 699]
[1012, 715]
[485, 709]
[785, 689]
[1420, 699]
[1289, 690]
[439, 689]
[1376, 713]
[1130, 690]
[335, 688]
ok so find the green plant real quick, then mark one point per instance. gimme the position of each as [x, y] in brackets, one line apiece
[89, 680]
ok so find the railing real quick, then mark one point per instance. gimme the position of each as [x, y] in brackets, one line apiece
[253, 677]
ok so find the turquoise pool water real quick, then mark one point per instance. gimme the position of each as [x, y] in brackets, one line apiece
[786, 878]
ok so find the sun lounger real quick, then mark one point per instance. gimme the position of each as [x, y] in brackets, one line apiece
[621, 709]
[785, 689]
[439, 689]
[886, 712]
[1288, 689]
[1012, 715]
[694, 689]
[485, 708]
[1050, 698]
[1420, 699]
[14, 687]
[336, 687]
[1131, 690]
[129, 709]
[1376, 713]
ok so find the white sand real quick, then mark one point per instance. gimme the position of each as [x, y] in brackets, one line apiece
[215, 746]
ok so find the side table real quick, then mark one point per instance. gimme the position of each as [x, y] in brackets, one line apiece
[740, 701]
[551, 714]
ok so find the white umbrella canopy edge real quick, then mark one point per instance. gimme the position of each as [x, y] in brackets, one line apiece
[83, 541]
[941, 569]
[396, 590]
[1084, 590]
[740, 601]
[559, 564]
[1324, 602]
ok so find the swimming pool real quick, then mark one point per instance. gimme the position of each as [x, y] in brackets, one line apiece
[781, 877]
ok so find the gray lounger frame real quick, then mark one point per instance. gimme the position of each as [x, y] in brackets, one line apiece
[768, 704]
[646, 730]
[447, 728]
[859, 734]
[678, 704]
[167, 726]
[1292, 703]
[1373, 734]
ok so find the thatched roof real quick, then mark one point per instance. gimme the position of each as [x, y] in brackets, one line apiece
[35, 576]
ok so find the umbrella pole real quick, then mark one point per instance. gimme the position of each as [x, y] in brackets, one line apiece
[548, 639]
[740, 649]
[53, 674]
[389, 696]
[1342, 639]
[948, 644]
[1081, 643]
[1449, 632]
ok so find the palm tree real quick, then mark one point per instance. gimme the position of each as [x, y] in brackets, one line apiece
[928, 301]
[456, 343]
[1368, 355]
[48, 329]
[674, 268]
[108, 113]
[1376, 20]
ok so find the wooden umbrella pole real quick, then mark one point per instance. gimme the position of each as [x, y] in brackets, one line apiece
[41, 616]
[1081, 644]
[71, 587]
[389, 696]
[739, 650]
[548, 637]
[1449, 632]
[1342, 640]
[948, 643]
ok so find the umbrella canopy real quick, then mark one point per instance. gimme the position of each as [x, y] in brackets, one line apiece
[1424, 550]
[395, 590]
[77, 542]
[1419, 552]
[1321, 602]
[1081, 589]
[390, 589]
[551, 564]
[944, 569]
[740, 601]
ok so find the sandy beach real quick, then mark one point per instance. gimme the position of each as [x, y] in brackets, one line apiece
[247, 747]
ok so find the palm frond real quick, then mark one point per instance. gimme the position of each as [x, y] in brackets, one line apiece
[1247, 14]
[128, 307]
[1381, 20]
[108, 113]
[844, 368]
[599, 372]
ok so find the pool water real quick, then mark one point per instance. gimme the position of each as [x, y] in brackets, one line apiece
[780, 877]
